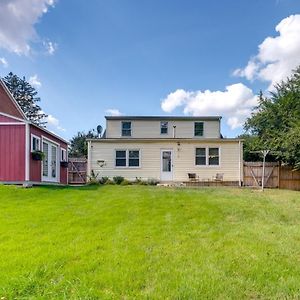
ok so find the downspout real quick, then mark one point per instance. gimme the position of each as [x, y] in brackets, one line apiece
[89, 159]
[240, 163]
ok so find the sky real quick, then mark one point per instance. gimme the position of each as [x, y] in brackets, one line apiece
[88, 59]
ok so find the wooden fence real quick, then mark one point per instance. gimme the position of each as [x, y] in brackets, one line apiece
[276, 176]
[77, 170]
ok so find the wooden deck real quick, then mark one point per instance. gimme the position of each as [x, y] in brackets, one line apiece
[198, 183]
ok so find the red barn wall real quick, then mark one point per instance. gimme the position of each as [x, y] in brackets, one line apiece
[12, 152]
[8, 119]
[35, 166]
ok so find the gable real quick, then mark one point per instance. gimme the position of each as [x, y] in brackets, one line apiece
[8, 105]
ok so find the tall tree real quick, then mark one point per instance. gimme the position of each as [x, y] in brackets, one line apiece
[78, 144]
[275, 122]
[26, 96]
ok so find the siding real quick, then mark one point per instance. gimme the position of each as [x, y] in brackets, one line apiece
[6, 119]
[151, 129]
[183, 159]
[12, 152]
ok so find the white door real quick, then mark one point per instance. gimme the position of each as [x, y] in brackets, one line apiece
[50, 162]
[166, 173]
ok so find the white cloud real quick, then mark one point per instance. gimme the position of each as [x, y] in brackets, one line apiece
[50, 47]
[17, 21]
[235, 103]
[277, 56]
[54, 123]
[3, 62]
[113, 112]
[35, 82]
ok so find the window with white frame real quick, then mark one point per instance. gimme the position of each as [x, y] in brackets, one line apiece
[200, 156]
[208, 156]
[63, 154]
[126, 128]
[35, 143]
[129, 158]
[198, 128]
[163, 127]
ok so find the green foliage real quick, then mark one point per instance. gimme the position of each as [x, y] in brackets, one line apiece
[152, 181]
[93, 178]
[275, 122]
[26, 96]
[144, 242]
[118, 179]
[110, 182]
[78, 144]
[126, 182]
[103, 179]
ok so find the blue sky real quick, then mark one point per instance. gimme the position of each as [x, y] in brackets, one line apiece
[141, 57]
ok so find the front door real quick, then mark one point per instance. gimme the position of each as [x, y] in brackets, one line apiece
[166, 165]
[49, 166]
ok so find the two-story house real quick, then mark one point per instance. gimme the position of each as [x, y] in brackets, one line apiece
[165, 148]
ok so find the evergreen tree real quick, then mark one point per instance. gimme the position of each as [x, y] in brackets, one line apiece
[78, 144]
[26, 96]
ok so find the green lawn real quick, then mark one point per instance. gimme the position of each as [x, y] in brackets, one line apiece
[137, 242]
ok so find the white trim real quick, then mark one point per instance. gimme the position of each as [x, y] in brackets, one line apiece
[127, 158]
[199, 136]
[161, 165]
[13, 117]
[207, 165]
[11, 123]
[51, 141]
[27, 152]
[57, 146]
[126, 136]
[167, 133]
[31, 142]
[65, 154]
[89, 144]
[13, 99]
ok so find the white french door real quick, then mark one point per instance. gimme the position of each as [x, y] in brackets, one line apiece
[166, 172]
[50, 162]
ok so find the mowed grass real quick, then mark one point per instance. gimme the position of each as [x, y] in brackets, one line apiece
[137, 242]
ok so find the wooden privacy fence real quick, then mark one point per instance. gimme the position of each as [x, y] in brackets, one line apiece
[276, 176]
[77, 169]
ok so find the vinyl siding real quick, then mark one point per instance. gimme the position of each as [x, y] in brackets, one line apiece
[151, 129]
[150, 164]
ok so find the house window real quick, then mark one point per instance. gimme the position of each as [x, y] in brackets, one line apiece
[133, 158]
[128, 158]
[121, 158]
[163, 127]
[35, 143]
[207, 156]
[200, 156]
[126, 128]
[198, 129]
[63, 155]
[213, 156]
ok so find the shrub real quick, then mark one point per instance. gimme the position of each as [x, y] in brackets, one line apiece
[103, 179]
[118, 179]
[92, 180]
[137, 180]
[109, 181]
[125, 182]
[153, 181]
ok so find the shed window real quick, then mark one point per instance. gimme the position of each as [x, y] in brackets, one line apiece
[200, 156]
[213, 156]
[63, 154]
[163, 127]
[126, 128]
[121, 158]
[198, 128]
[35, 143]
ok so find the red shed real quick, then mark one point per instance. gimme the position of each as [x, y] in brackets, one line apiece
[20, 143]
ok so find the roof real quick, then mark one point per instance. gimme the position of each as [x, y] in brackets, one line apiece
[165, 118]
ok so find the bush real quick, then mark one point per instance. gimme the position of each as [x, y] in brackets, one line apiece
[125, 182]
[138, 180]
[153, 181]
[118, 179]
[109, 181]
[103, 179]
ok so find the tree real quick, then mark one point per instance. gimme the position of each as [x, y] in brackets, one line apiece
[78, 144]
[26, 96]
[275, 122]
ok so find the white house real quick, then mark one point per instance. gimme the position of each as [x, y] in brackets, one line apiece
[165, 148]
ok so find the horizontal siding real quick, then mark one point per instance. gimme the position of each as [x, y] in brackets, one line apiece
[183, 160]
[151, 129]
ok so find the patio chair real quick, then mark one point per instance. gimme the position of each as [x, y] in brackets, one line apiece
[218, 177]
